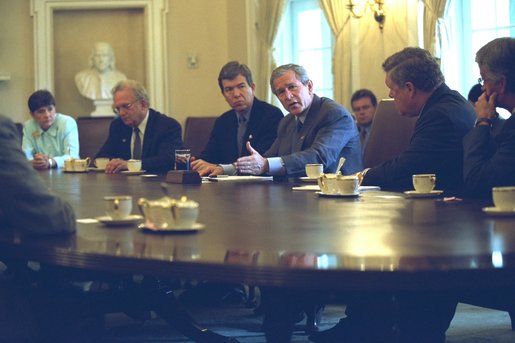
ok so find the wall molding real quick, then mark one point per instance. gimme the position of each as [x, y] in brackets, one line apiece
[155, 12]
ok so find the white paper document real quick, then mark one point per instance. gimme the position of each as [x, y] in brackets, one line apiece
[241, 178]
[316, 188]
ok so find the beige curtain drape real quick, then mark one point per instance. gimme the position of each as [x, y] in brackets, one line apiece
[337, 16]
[433, 10]
[270, 14]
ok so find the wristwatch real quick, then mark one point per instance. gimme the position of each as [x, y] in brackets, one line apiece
[488, 121]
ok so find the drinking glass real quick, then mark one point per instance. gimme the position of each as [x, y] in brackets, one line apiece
[182, 159]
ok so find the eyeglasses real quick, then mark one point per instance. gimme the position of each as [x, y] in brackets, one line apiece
[126, 107]
[482, 81]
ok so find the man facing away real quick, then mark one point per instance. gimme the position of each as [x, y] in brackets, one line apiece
[139, 132]
[49, 138]
[27, 207]
[417, 85]
[249, 119]
[364, 103]
[489, 157]
[316, 130]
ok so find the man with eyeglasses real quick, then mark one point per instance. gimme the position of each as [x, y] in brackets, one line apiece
[489, 157]
[139, 132]
[249, 119]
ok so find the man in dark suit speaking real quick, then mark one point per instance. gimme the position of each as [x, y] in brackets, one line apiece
[250, 119]
[139, 132]
[317, 130]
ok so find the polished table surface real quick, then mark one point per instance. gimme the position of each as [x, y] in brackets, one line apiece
[266, 234]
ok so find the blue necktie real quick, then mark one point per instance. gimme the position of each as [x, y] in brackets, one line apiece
[242, 127]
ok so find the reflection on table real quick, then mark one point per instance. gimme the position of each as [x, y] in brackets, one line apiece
[267, 234]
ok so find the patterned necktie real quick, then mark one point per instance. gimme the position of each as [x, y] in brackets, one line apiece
[136, 151]
[242, 127]
[296, 136]
[299, 125]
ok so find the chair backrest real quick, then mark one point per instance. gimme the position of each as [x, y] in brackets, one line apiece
[19, 126]
[93, 132]
[390, 134]
[196, 133]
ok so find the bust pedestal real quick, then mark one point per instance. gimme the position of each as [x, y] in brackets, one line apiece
[103, 107]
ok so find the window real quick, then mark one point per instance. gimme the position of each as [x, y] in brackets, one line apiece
[469, 25]
[305, 38]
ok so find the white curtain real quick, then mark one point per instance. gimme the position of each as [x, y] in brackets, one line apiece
[433, 13]
[270, 14]
[337, 15]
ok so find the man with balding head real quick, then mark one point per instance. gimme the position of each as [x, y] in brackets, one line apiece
[139, 132]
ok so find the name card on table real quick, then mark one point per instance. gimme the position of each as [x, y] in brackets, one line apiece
[183, 176]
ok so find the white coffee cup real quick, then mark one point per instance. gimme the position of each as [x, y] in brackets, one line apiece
[348, 184]
[134, 165]
[118, 206]
[314, 170]
[185, 213]
[504, 198]
[101, 162]
[338, 184]
[424, 183]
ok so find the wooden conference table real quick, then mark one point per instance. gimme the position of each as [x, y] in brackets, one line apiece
[266, 234]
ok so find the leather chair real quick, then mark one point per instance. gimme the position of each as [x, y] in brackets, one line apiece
[389, 136]
[93, 132]
[196, 133]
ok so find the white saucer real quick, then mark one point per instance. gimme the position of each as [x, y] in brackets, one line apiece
[138, 172]
[415, 194]
[131, 219]
[194, 228]
[495, 211]
[353, 195]
[308, 179]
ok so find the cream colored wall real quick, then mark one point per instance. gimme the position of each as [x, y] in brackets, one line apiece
[370, 47]
[16, 58]
[216, 31]
[197, 27]
[203, 27]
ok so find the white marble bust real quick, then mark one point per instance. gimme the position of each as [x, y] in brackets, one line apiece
[96, 82]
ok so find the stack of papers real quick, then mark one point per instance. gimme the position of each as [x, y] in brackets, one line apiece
[240, 178]
[317, 188]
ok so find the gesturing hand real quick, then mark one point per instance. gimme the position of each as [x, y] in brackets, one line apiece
[255, 164]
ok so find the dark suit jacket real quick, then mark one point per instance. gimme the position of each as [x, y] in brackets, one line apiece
[262, 128]
[489, 158]
[162, 136]
[25, 202]
[329, 131]
[435, 147]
